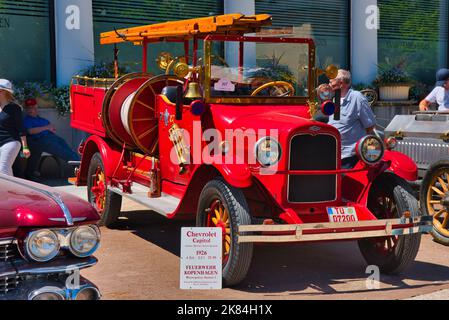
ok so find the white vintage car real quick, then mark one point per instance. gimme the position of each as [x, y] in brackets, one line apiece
[424, 136]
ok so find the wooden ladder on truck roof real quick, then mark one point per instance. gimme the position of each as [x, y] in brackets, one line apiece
[228, 24]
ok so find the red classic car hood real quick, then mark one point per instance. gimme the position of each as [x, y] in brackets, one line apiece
[27, 204]
[283, 118]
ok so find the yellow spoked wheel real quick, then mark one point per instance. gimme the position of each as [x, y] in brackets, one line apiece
[99, 189]
[219, 217]
[107, 203]
[390, 198]
[225, 207]
[435, 200]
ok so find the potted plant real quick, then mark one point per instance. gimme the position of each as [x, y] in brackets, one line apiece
[104, 70]
[61, 98]
[35, 90]
[394, 83]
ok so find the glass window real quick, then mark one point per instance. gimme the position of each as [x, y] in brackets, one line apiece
[122, 14]
[414, 35]
[262, 64]
[326, 21]
[25, 40]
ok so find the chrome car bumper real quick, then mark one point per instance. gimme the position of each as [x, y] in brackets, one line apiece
[40, 289]
[334, 231]
[22, 280]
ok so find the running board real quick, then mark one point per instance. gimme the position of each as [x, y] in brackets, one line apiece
[165, 205]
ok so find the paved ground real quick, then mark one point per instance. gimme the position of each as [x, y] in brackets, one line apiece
[140, 260]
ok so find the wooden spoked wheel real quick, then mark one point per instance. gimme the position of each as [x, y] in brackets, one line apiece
[142, 117]
[98, 190]
[223, 206]
[386, 208]
[107, 203]
[437, 200]
[391, 198]
[218, 217]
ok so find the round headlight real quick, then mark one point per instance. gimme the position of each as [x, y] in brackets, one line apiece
[268, 152]
[48, 294]
[371, 150]
[84, 241]
[89, 293]
[42, 245]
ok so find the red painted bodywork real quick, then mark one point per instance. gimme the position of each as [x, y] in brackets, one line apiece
[288, 120]
[87, 119]
[267, 195]
[25, 207]
[110, 152]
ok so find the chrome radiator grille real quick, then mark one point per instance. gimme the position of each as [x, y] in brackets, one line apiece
[313, 153]
[424, 151]
[8, 252]
[9, 284]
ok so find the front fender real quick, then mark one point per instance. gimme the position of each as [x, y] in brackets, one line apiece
[110, 154]
[236, 172]
[237, 175]
[402, 165]
[357, 185]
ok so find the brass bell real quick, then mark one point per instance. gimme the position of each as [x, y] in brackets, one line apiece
[193, 91]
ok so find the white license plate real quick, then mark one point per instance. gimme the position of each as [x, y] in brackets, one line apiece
[342, 214]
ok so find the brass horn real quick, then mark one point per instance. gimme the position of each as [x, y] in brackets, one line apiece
[331, 71]
[164, 60]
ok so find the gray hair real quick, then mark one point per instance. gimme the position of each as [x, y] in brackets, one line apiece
[345, 76]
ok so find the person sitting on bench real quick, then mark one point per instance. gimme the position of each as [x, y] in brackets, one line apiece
[42, 138]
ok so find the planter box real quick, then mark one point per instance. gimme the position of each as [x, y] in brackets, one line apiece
[394, 93]
[45, 101]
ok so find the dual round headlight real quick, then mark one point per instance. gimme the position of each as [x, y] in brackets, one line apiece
[84, 241]
[371, 150]
[268, 152]
[44, 245]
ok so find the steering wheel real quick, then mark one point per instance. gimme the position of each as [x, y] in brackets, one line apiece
[277, 85]
[371, 95]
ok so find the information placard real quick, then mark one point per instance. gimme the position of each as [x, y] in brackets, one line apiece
[201, 258]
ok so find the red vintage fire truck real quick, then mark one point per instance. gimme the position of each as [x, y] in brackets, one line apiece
[225, 135]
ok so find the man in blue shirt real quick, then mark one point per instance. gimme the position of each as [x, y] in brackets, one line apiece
[356, 121]
[440, 94]
[42, 138]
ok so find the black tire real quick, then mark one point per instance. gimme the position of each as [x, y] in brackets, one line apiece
[404, 253]
[239, 260]
[434, 171]
[113, 202]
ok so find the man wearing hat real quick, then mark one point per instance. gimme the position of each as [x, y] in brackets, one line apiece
[42, 138]
[440, 94]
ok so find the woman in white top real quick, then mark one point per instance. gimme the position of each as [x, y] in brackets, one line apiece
[440, 94]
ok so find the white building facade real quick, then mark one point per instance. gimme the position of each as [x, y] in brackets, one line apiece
[52, 40]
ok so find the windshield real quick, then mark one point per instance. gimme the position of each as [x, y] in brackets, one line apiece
[258, 69]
